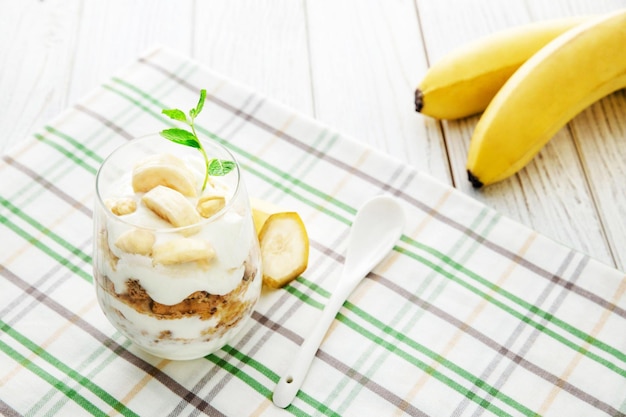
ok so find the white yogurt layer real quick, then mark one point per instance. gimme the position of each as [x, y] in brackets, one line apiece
[187, 338]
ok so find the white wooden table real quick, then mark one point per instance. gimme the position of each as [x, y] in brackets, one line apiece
[351, 64]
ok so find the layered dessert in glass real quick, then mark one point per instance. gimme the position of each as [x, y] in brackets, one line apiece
[176, 267]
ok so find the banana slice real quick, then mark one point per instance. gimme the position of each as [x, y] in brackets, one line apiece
[209, 205]
[284, 247]
[261, 210]
[136, 241]
[172, 206]
[121, 206]
[182, 250]
[166, 170]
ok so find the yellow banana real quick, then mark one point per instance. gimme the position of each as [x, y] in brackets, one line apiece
[572, 72]
[464, 81]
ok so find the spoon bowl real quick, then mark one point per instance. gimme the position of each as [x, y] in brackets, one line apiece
[376, 228]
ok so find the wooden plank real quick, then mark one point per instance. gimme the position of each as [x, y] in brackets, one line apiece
[36, 44]
[366, 60]
[599, 134]
[261, 44]
[112, 34]
[551, 194]
[57, 51]
[540, 9]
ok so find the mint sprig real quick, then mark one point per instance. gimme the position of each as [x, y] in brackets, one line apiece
[214, 167]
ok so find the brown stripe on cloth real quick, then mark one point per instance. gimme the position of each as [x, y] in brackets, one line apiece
[49, 186]
[277, 328]
[107, 122]
[576, 360]
[7, 411]
[378, 389]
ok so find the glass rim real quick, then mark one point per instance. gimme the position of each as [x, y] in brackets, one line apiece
[181, 229]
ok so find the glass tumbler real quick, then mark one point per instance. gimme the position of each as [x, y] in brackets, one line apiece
[178, 274]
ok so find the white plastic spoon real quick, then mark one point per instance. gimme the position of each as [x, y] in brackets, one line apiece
[377, 227]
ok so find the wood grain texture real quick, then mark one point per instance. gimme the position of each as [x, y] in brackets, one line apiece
[366, 60]
[262, 44]
[599, 135]
[37, 45]
[112, 34]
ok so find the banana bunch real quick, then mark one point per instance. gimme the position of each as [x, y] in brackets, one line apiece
[527, 96]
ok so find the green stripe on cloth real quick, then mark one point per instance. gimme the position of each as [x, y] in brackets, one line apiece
[304, 297]
[80, 368]
[318, 289]
[252, 363]
[266, 392]
[76, 144]
[36, 242]
[401, 337]
[70, 155]
[70, 392]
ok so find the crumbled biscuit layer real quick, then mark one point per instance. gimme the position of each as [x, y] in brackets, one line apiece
[228, 309]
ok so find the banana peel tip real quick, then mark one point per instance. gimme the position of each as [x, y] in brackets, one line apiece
[419, 100]
[476, 183]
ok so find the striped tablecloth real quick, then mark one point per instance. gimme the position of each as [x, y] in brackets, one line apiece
[472, 313]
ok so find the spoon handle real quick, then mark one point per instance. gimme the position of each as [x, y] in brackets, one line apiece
[376, 227]
[292, 380]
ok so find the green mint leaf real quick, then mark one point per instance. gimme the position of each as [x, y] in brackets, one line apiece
[184, 137]
[195, 112]
[220, 167]
[181, 136]
[175, 114]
